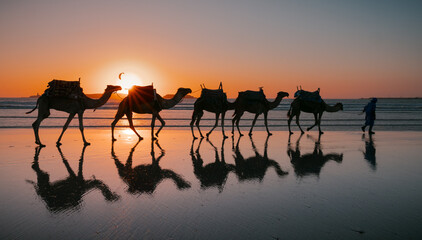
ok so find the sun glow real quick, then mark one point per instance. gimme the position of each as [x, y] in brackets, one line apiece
[127, 81]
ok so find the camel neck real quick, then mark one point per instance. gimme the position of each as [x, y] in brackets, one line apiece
[90, 103]
[169, 103]
[275, 103]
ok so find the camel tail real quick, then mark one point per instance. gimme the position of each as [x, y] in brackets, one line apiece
[36, 106]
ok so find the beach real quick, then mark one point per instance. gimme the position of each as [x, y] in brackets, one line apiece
[343, 185]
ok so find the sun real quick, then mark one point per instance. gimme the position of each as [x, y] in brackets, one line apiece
[127, 81]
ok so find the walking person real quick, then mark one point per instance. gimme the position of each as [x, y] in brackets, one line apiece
[369, 111]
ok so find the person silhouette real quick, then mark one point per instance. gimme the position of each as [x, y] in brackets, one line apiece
[369, 111]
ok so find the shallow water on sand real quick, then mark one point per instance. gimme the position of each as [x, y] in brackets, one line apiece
[344, 185]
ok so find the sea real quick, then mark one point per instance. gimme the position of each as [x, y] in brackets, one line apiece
[401, 114]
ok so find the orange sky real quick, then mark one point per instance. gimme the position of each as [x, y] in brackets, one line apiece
[350, 49]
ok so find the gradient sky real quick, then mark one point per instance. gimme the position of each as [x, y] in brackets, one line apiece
[350, 49]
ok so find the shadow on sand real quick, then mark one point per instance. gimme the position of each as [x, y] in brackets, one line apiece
[369, 153]
[145, 178]
[255, 167]
[213, 174]
[66, 194]
[310, 163]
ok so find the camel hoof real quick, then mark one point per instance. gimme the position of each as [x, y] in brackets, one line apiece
[302, 132]
[58, 144]
[41, 145]
[290, 133]
[269, 134]
[87, 144]
[140, 138]
[321, 133]
[224, 136]
[113, 139]
[250, 134]
[240, 134]
[195, 137]
[153, 138]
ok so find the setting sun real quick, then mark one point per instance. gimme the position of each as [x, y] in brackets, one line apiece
[127, 80]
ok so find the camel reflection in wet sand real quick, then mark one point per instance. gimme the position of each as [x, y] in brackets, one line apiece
[67, 194]
[213, 174]
[255, 167]
[310, 163]
[369, 153]
[145, 178]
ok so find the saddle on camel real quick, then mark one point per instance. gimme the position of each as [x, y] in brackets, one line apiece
[214, 96]
[308, 96]
[254, 96]
[147, 95]
[65, 89]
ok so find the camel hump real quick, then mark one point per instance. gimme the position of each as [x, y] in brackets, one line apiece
[63, 88]
[253, 95]
[308, 96]
[142, 95]
[213, 93]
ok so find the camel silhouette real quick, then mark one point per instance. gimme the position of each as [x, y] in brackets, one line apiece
[145, 178]
[310, 163]
[317, 108]
[254, 102]
[213, 174]
[70, 105]
[68, 193]
[255, 167]
[125, 108]
[214, 101]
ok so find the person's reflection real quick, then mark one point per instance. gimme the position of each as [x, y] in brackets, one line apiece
[310, 163]
[67, 194]
[255, 167]
[369, 153]
[213, 174]
[145, 178]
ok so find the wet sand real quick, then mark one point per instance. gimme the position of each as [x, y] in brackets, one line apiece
[344, 186]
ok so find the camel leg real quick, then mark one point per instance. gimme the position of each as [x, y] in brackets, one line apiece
[266, 123]
[319, 123]
[194, 114]
[223, 114]
[163, 123]
[81, 127]
[297, 123]
[233, 120]
[69, 119]
[288, 124]
[43, 113]
[237, 117]
[253, 124]
[154, 116]
[129, 118]
[316, 122]
[118, 116]
[198, 119]
[217, 115]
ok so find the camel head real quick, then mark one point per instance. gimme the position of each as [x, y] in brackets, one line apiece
[340, 106]
[282, 94]
[112, 88]
[184, 91]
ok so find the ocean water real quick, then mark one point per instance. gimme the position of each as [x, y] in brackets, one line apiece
[392, 114]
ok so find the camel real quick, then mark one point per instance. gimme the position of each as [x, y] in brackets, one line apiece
[254, 167]
[214, 101]
[145, 178]
[254, 102]
[125, 108]
[67, 193]
[70, 105]
[212, 174]
[310, 163]
[316, 108]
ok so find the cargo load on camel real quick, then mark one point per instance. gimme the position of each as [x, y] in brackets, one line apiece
[308, 96]
[143, 95]
[65, 89]
[215, 97]
[253, 96]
